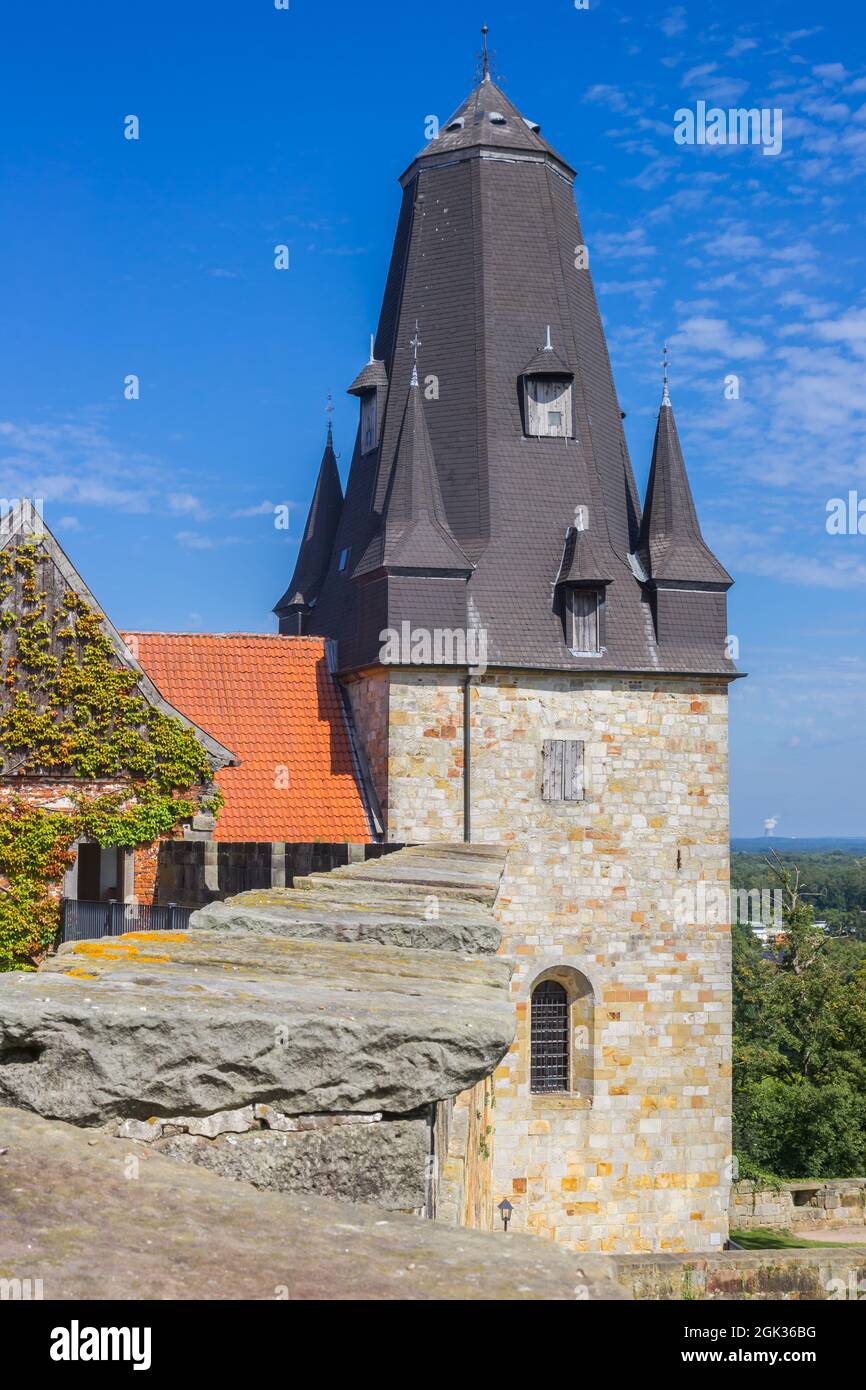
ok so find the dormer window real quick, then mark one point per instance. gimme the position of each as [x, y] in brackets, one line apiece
[548, 407]
[582, 614]
[369, 435]
[497, 118]
[547, 394]
[367, 384]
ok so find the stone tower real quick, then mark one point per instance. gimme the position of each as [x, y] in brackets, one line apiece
[533, 660]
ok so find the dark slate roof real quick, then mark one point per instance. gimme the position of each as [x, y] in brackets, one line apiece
[580, 564]
[488, 118]
[414, 533]
[372, 374]
[546, 362]
[483, 259]
[671, 546]
[318, 539]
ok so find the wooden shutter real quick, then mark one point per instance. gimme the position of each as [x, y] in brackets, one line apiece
[583, 611]
[368, 423]
[562, 769]
[544, 396]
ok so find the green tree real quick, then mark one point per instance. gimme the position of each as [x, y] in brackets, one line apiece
[800, 1046]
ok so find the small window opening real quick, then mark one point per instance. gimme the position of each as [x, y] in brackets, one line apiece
[369, 438]
[582, 620]
[549, 1038]
[548, 407]
[344, 561]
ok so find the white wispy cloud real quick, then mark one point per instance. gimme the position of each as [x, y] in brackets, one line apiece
[195, 540]
[714, 337]
[612, 97]
[674, 22]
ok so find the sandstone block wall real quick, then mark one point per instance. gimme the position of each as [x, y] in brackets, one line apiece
[595, 893]
[464, 1152]
[799, 1205]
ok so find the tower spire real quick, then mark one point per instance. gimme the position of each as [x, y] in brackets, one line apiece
[485, 57]
[670, 544]
[317, 543]
[414, 344]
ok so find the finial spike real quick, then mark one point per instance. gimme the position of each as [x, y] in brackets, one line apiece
[485, 58]
[666, 399]
[329, 411]
[372, 358]
[415, 343]
[548, 345]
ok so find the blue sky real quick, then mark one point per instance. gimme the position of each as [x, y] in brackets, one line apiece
[260, 126]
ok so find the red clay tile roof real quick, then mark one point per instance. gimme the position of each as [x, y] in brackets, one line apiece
[272, 701]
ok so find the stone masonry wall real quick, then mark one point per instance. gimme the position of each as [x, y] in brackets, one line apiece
[464, 1137]
[368, 695]
[796, 1205]
[636, 1158]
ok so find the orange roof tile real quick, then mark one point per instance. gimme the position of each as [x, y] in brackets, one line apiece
[272, 701]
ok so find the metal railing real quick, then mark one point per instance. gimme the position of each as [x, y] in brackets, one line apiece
[85, 921]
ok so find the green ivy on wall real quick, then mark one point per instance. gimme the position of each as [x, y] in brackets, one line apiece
[73, 712]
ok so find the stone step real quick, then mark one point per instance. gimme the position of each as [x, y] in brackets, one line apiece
[383, 890]
[333, 920]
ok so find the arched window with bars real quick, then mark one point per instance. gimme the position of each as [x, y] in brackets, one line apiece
[562, 1013]
[550, 1038]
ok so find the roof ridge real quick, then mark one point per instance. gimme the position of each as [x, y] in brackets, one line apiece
[259, 636]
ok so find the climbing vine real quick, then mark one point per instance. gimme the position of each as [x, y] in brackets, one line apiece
[71, 710]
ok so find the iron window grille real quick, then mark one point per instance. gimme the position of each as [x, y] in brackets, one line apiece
[549, 1038]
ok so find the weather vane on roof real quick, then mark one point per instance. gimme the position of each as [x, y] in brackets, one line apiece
[486, 61]
[666, 400]
[414, 344]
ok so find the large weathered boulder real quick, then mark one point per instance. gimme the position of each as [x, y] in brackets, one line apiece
[196, 1022]
[91, 1220]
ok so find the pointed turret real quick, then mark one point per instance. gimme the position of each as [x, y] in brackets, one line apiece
[415, 532]
[316, 545]
[670, 545]
[686, 585]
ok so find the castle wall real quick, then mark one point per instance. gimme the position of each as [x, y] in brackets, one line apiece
[602, 891]
[369, 698]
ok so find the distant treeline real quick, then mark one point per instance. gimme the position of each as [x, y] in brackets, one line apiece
[834, 883]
